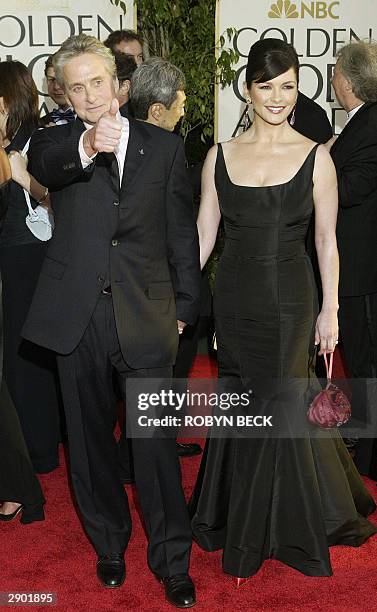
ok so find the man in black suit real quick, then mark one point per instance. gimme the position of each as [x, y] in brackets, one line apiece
[354, 153]
[120, 279]
[158, 98]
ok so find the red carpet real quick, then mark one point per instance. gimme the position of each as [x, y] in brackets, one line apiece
[55, 556]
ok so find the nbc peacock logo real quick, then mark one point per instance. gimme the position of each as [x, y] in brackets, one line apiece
[283, 8]
[319, 9]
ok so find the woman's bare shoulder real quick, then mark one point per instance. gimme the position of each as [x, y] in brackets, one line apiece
[299, 139]
[233, 143]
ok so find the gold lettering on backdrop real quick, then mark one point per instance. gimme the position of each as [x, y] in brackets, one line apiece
[320, 10]
[315, 10]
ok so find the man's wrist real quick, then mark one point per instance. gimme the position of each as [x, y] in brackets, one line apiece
[86, 151]
[87, 143]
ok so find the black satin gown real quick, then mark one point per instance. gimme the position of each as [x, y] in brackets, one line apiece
[282, 498]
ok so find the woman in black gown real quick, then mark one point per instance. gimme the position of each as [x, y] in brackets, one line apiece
[29, 370]
[283, 498]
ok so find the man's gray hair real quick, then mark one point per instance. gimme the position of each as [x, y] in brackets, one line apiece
[358, 64]
[156, 80]
[78, 45]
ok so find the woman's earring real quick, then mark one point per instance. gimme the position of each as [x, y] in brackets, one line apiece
[246, 122]
[293, 116]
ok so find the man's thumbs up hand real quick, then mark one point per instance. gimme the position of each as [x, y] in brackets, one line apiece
[114, 107]
[105, 134]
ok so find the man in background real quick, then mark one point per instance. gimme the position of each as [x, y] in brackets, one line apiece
[125, 67]
[64, 112]
[354, 153]
[158, 98]
[126, 41]
[158, 93]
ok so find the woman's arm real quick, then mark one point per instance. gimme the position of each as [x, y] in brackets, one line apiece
[209, 212]
[20, 175]
[326, 210]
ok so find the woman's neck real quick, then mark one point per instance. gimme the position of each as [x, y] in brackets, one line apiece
[262, 131]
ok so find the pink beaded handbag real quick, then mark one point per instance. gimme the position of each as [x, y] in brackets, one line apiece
[331, 407]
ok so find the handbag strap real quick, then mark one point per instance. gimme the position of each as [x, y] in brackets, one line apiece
[32, 212]
[328, 365]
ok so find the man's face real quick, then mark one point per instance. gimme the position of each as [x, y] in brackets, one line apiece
[170, 116]
[54, 90]
[341, 86]
[89, 86]
[132, 48]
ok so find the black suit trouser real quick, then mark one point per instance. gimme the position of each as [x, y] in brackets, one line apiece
[358, 330]
[86, 379]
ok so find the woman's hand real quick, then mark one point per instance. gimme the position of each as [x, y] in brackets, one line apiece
[18, 165]
[326, 331]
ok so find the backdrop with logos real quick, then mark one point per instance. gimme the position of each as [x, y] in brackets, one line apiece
[316, 29]
[31, 30]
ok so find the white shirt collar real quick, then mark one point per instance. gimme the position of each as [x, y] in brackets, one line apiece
[353, 112]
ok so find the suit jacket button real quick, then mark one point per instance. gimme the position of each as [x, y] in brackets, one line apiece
[100, 279]
[116, 203]
[114, 242]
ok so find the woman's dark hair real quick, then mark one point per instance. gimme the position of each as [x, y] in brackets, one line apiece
[20, 95]
[268, 58]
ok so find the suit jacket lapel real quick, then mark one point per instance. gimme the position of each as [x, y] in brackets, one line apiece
[138, 150]
[77, 126]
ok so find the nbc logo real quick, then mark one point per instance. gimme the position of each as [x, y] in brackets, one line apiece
[316, 10]
[283, 8]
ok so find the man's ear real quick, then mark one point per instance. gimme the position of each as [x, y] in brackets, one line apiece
[155, 111]
[124, 88]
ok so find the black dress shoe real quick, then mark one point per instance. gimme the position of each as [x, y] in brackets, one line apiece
[188, 450]
[179, 590]
[111, 570]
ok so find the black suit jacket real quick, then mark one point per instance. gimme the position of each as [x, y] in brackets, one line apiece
[355, 157]
[140, 237]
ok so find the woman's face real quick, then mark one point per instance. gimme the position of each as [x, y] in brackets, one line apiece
[274, 100]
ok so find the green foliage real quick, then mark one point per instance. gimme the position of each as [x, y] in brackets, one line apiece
[183, 31]
[121, 5]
